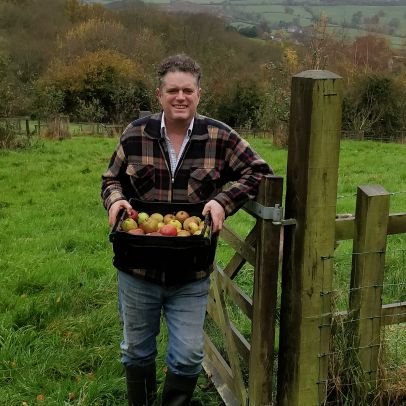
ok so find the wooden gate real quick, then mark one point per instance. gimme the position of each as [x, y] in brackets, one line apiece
[242, 369]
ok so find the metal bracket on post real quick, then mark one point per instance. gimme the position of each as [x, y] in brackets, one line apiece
[268, 213]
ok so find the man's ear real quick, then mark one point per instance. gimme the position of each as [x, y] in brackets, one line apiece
[158, 92]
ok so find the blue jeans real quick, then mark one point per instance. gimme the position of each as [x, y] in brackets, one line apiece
[184, 308]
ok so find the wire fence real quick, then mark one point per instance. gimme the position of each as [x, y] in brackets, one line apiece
[354, 377]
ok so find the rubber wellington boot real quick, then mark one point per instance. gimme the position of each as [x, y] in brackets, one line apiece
[141, 385]
[178, 390]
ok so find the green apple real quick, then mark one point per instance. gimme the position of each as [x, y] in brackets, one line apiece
[176, 223]
[142, 217]
[128, 224]
[157, 216]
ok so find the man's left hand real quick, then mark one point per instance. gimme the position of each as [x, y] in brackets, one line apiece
[217, 214]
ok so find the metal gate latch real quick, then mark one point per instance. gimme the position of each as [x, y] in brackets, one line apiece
[268, 213]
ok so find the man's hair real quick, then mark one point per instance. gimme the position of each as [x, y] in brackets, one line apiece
[179, 63]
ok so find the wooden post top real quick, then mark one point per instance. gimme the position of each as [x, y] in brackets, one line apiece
[317, 74]
[373, 190]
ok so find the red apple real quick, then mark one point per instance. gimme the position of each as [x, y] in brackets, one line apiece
[133, 214]
[169, 230]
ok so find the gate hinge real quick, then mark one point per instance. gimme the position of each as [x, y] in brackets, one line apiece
[268, 213]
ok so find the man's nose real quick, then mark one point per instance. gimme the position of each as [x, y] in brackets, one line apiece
[180, 94]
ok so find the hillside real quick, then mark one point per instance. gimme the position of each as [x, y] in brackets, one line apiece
[352, 18]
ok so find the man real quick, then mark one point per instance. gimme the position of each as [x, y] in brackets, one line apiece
[174, 156]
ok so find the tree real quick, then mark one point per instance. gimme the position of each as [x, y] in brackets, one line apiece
[48, 101]
[371, 53]
[373, 107]
[31, 28]
[14, 94]
[241, 108]
[356, 18]
[103, 81]
[317, 59]
[93, 35]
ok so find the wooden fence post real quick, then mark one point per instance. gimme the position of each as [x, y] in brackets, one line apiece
[265, 297]
[312, 172]
[368, 262]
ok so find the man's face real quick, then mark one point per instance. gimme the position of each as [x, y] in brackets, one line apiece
[179, 96]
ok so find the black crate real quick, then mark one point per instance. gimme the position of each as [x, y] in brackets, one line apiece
[166, 254]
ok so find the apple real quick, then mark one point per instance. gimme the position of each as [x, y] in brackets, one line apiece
[190, 224]
[160, 225]
[128, 224]
[169, 230]
[149, 226]
[157, 216]
[142, 217]
[193, 227]
[176, 223]
[168, 217]
[136, 231]
[133, 214]
[197, 219]
[183, 233]
[181, 215]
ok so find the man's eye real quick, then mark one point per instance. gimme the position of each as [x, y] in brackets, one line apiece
[188, 91]
[172, 91]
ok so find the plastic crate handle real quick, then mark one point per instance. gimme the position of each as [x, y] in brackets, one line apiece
[207, 223]
[119, 218]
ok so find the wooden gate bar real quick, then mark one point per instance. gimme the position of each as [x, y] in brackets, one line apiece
[345, 226]
[239, 297]
[265, 297]
[230, 346]
[219, 372]
[312, 174]
[367, 273]
[237, 243]
[242, 345]
[237, 260]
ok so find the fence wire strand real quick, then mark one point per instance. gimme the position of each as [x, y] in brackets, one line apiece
[346, 381]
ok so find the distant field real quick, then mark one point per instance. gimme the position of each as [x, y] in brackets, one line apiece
[390, 17]
[390, 20]
[391, 23]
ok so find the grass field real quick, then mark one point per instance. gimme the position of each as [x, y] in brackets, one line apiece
[59, 329]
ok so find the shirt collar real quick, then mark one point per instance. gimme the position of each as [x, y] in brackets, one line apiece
[163, 127]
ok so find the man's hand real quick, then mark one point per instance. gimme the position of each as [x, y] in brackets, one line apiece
[217, 214]
[115, 208]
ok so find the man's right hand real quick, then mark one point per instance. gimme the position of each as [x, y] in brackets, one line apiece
[115, 208]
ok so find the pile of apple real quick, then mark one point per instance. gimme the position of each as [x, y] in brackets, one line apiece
[180, 224]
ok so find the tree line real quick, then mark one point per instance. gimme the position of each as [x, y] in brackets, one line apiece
[96, 64]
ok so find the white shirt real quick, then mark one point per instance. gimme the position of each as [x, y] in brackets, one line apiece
[174, 159]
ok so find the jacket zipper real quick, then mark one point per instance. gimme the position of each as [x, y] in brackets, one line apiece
[173, 176]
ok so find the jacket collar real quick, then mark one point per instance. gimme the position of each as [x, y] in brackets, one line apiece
[152, 127]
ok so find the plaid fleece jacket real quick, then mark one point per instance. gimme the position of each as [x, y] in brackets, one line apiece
[216, 164]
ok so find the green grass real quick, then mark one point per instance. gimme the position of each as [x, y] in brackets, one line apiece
[59, 328]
